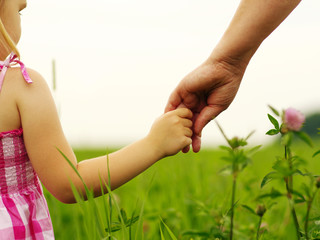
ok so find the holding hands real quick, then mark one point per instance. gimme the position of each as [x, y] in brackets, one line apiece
[206, 91]
[171, 132]
[210, 88]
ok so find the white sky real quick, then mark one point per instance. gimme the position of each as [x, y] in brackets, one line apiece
[118, 61]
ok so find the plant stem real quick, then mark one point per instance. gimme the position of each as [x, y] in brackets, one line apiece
[308, 213]
[287, 155]
[258, 228]
[232, 204]
[306, 222]
[295, 219]
[289, 186]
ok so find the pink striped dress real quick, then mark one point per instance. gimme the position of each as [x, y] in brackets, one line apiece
[23, 209]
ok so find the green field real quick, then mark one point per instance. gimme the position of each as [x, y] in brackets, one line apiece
[190, 195]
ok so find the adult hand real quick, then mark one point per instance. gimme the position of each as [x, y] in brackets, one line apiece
[210, 88]
[207, 91]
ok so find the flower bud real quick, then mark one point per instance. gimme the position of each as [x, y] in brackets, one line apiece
[293, 119]
[284, 129]
[261, 209]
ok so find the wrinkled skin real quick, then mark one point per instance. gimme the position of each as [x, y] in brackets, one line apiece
[207, 91]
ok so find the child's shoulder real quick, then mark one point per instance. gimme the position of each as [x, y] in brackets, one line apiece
[23, 92]
[16, 93]
[15, 74]
[15, 79]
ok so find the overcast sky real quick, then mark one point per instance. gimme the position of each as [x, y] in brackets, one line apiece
[118, 61]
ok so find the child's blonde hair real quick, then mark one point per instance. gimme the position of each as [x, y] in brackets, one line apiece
[9, 44]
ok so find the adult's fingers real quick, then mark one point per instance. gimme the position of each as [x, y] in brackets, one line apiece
[207, 114]
[186, 149]
[173, 102]
[196, 143]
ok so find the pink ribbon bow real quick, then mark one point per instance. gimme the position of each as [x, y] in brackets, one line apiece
[13, 59]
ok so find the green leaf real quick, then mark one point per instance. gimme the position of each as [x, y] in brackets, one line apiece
[272, 132]
[253, 150]
[271, 204]
[237, 142]
[304, 137]
[249, 209]
[274, 110]
[123, 215]
[273, 194]
[250, 134]
[299, 200]
[298, 194]
[268, 178]
[316, 153]
[226, 170]
[274, 122]
[242, 142]
[306, 189]
[299, 172]
[240, 157]
[227, 159]
[132, 220]
[297, 161]
[232, 207]
[228, 149]
[282, 167]
[315, 218]
[116, 226]
[243, 165]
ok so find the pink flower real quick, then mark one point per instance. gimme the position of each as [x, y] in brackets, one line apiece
[293, 119]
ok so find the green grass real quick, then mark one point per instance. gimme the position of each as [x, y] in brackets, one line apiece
[189, 195]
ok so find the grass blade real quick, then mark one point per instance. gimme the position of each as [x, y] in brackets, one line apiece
[161, 233]
[173, 237]
[90, 198]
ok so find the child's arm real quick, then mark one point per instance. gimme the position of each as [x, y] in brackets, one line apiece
[43, 134]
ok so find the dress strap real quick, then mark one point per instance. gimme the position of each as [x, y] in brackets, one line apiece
[13, 59]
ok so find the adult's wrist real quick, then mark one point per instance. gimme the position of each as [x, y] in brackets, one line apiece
[231, 61]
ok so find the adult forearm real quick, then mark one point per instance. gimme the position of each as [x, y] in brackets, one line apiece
[253, 21]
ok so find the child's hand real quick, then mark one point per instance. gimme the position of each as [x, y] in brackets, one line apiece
[171, 132]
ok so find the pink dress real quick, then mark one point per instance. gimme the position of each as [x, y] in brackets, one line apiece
[23, 209]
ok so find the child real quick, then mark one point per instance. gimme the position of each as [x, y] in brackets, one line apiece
[30, 133]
